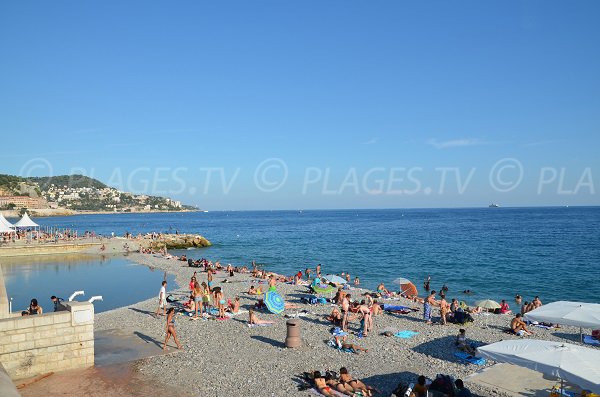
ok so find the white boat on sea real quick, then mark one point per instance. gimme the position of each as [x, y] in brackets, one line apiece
[494, 205]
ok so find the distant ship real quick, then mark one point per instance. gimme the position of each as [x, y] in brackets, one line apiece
[494, 205]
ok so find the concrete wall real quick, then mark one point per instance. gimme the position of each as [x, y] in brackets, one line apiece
[7, 387]
[34, 345]
[44, 249]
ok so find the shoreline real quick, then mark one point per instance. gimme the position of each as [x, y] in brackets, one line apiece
[212, 348]
[49, 213]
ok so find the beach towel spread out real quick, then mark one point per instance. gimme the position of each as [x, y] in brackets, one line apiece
[587, 339]
[405, 334]
[395, 308]
[470, 359]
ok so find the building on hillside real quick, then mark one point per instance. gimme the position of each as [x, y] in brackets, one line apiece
[23, 202]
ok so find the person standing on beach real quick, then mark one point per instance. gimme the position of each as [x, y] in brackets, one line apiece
[345, 310]
[272, 283]
[171, 329]
[318, 270]
[197, 293]
[162, 299]
[427, 305]
[444, 309]
[210, 279]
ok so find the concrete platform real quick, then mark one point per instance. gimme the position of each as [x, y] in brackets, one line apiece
[114, 375]
[117, 346]
[518, 381]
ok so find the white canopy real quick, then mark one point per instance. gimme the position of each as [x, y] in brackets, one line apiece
[5, 229]
[26, 221]
[577, 314]
[4, 222]
[575, 364]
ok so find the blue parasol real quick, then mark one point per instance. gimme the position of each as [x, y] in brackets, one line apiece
[332, 278]
[274, 302]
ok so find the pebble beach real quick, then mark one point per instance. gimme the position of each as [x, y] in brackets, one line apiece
[226, 358]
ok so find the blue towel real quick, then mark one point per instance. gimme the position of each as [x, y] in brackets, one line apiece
[470, 359]
[405, 334]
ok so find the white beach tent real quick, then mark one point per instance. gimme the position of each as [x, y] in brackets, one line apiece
[4, 221]
[576, 364]
[26, 221]
[5, 229]
[576, 314]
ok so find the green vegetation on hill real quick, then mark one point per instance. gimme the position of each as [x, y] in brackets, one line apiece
[70, 181]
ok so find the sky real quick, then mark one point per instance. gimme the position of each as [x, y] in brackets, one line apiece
[243, 105]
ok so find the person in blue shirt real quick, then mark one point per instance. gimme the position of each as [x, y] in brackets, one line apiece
[462, 390]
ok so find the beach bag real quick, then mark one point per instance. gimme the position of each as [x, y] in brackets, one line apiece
[443, 384]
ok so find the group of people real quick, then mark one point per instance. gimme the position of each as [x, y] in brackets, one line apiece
[35, 308]
[344, 383]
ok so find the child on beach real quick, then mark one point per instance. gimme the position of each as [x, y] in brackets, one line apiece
[205, 297]
[220, 300]
[197, 292]
[171, 329]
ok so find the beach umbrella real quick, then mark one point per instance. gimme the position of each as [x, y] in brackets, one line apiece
[323, 289]
[577, 314]
[407, 288]
[573, 363]
[274, 302]
[488, 304]
[332, 278]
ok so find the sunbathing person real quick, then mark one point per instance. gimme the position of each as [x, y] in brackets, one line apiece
[254, 320]
[335, 316]
[355, 385]
[518, 326]
[326, 387]
[234, 307]
[340, 341]
[461, 343]
[254, 291]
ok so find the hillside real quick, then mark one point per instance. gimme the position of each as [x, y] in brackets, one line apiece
[77, 193]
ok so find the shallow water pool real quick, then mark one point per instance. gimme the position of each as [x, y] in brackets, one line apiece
[118, 280]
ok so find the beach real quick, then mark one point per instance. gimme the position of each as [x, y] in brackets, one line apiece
[224, 358]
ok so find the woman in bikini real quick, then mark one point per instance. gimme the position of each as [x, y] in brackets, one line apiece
[254, 320]
[197, 292]
[205, 297]
[354, 385]
[171, 329]
[220, 300]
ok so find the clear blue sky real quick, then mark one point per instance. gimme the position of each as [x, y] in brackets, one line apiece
[351, 97]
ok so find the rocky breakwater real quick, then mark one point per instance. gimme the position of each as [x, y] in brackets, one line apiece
[180, 241]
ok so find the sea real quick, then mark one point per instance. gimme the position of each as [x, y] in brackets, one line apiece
[495, 253]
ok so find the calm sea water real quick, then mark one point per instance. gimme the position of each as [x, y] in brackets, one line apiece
[495, 252]
[117, 280]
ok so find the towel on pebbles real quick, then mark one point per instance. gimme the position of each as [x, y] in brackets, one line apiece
[405, 334]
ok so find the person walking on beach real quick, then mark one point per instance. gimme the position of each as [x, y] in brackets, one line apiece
[171, 329]
[162, 299]
[427, 306]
